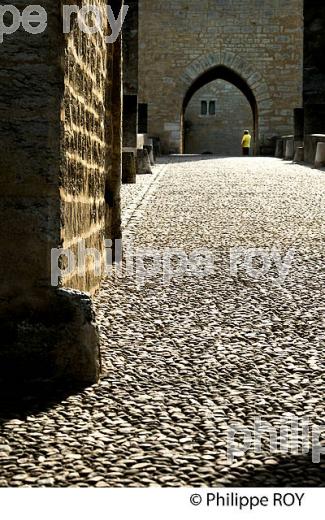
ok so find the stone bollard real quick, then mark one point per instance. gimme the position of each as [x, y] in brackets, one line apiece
[296, 144]
[143, 162]
[149, 149]
[310, 143]
[320, 155]
[289, 149]
[129, 168]
[279, 149]
[156, 146]
[299, 155]
[151, 143]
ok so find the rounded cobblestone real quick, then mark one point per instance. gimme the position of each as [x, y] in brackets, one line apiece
[185, 360]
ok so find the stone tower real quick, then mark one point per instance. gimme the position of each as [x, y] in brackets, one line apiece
[185, 44]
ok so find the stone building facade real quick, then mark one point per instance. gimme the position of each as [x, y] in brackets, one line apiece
[60, 175]
[186, 44]
[215, 119]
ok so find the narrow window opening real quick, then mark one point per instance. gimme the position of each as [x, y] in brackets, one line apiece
[204, 108]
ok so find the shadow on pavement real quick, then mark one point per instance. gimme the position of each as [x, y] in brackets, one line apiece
[22, 400]
[291, 471]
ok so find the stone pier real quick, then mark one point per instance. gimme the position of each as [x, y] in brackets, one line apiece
[129, 167]
[143, 118]
[60, 174]
[314, 77]
[298, 131]
[130, 90]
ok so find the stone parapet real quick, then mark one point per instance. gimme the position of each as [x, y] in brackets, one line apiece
[320, 154]
[288, 147]
[310, 146]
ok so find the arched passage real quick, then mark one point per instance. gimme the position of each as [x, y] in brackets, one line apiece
[229, 75]
[233, 68]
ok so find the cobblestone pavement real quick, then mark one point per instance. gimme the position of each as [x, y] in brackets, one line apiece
[185, 360]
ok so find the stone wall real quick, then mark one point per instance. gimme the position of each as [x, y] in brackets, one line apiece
[31, 88]
[182, 40]
[83, 145]
[220, 133]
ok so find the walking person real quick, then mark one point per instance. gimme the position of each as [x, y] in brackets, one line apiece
[246, 142]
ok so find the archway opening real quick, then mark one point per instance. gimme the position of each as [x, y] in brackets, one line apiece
[220, 73]
[215, 118]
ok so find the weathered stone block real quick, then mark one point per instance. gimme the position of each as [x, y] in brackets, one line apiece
[299, 154]
[279, 149]
[310, 146]
[288, 148]
[320, 155]
[143, 162]
[129, 167]
[52, 339]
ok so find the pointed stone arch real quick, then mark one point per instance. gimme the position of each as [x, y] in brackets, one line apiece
[241, 74]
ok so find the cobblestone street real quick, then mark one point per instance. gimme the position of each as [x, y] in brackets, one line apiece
[185, 360]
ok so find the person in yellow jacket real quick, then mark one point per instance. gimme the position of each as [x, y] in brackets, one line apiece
[246, 142]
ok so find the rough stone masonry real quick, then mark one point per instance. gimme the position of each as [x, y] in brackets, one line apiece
[182, 42]
[60, 172]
